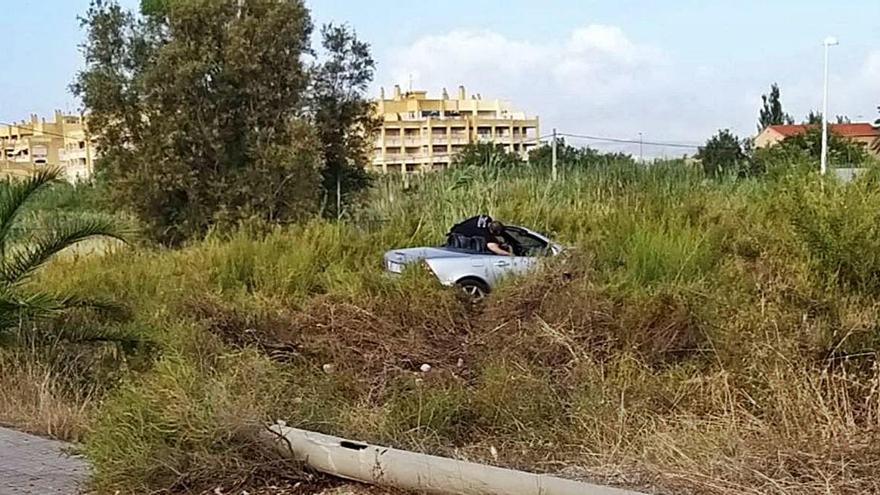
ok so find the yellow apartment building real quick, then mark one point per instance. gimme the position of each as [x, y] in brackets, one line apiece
[420, 134]
[36, 143]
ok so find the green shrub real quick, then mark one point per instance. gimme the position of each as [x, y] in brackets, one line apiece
[840, 226]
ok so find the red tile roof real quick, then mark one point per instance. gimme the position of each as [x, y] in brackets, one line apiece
[847, 130]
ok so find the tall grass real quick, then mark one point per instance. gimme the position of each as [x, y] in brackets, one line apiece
[713, 337]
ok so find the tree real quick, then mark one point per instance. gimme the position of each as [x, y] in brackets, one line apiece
[196, 106]
[22, 257]
[805, 148]
[771, 113]
[813, 118]
[488, 155]
[343, 116]
[573, 157]
[722, 154]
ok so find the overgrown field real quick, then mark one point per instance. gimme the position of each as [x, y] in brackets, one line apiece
[717, 336]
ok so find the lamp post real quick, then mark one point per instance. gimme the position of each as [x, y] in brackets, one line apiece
[828, 43]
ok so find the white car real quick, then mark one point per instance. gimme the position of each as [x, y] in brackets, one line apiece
[466, 263]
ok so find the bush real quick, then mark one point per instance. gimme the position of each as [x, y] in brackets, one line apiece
[840, 225]
[802, 153]
[486, 155]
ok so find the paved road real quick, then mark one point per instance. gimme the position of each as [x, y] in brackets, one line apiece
[32, 465]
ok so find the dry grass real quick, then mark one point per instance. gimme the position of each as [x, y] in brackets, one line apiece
[706, 338]
[570, 377]
[33, 397]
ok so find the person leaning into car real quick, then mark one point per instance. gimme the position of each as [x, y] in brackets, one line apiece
[489, 229]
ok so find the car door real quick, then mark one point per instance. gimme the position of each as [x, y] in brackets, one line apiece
[492, 267]
[531, 249]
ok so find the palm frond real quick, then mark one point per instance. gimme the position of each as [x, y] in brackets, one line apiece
[106, 307]
[21, 262]
[16, 194]
[15, 308]
[129, 339]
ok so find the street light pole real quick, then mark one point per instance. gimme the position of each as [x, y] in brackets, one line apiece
[823, 166]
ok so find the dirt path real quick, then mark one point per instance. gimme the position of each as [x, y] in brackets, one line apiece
[32, 465]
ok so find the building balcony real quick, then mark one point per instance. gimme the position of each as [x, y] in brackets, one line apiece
[402, 157]
[413, 158]
[72, 154]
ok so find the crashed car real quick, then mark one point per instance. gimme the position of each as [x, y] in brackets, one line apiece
[466, 262]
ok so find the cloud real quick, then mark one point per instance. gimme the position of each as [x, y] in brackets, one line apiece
[597, 57]
[869, 79]
[871, 70]
[597, 80]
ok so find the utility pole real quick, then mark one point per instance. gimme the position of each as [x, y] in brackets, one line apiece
[641, 154]
[554, 174]
[823, 163]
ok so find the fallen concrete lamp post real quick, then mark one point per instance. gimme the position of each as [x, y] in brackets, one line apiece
[419, 472]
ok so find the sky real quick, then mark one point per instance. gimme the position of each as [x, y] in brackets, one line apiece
[674, 71]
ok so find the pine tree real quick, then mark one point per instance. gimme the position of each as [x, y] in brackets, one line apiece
[772, 112]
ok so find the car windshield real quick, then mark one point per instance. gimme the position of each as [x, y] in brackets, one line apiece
[524, 243]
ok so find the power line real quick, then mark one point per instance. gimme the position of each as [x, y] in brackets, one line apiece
[539, 139]
[630, 141]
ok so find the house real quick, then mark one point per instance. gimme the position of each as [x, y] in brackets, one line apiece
[419, 133]
[863, 133]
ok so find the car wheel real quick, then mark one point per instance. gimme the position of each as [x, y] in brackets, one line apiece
[473, 290]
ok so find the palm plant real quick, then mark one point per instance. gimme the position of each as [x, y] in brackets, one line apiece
[22, 255]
